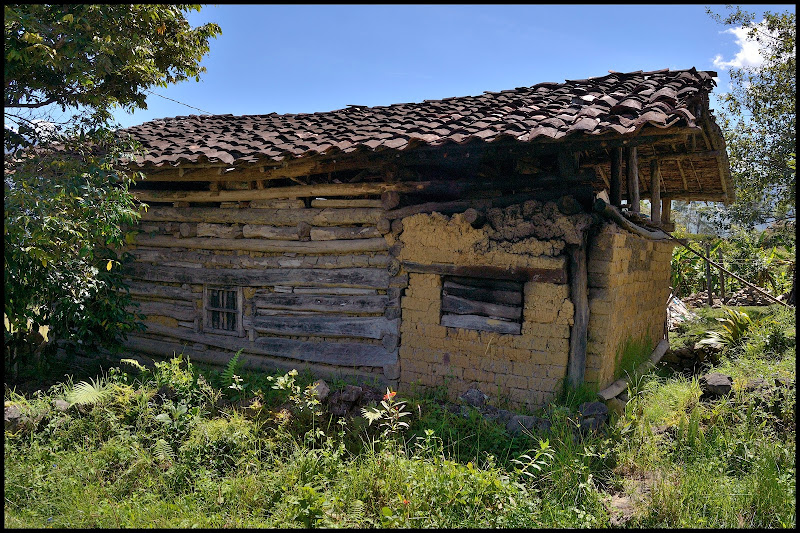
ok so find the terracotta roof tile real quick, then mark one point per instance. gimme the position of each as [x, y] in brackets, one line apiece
[620, 103]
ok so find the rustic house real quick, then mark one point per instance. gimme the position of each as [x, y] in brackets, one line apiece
[453, 242]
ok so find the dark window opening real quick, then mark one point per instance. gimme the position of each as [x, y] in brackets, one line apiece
[482, 304]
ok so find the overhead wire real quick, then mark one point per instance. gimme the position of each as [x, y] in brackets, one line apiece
[178, 102]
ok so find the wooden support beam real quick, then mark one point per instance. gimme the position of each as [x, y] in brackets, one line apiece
[615, 186]
[524, 274]
[666, 211]
[655, 192]
[274, 217]
[632, 175]
[377, 244]
[579, 294]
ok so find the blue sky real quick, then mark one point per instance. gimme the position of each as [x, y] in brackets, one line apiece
[308, 58]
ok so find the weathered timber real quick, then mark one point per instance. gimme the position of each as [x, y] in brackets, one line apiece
[304, 231]
[210, 258]
[390, 199]
[372, 278]
[620, 385]
[155, 290]
[709, 284]
[632, 175]
[267, 245]
[483, 295]
[333, 353]
[329, 304]
[481, 323]
[475, 218]
[655, 192]
[226, 231]
[666, 211]
[331, 233]
[324, 326]
[260, 231]
[351, 202]
[463, 306]
[278, 203]
[611, 213]
[384, 226]
[486, 283]
[542, 275]
[297, 191]
[274, 217]
[176, 310]
[456, 206]
[579, 294]
[333, 290]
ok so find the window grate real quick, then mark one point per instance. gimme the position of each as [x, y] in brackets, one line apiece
[223, 309]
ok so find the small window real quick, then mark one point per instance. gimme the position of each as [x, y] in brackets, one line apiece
[223, 310]
[482, 304]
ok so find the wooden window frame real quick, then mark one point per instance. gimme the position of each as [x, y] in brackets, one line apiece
[207, 310]
[498, 327]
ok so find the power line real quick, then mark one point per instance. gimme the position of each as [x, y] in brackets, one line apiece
[177, 102]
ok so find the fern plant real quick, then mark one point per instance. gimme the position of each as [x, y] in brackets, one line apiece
[230, 380]
[89, 393]
[735, 327]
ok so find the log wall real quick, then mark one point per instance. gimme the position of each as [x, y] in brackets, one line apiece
[318, 284]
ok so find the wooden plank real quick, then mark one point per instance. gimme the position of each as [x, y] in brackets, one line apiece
[323, 326]
[378, 244]
[298, 191]
[463, 306]
[632, 174]
[350, 202]
[329, 304]
[524, 274]
[208, 257]
[579, 294]
[261, 231]
[274, 217]
[336, 233]
[481, 323]
[655, 192]
[332, 353]
[485, 283]
[176, 310]
[333, 290]
[155, 290]
[371, 278]
[204, 229]
[483, 295]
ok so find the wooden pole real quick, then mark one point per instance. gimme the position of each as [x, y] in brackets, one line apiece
[655, 192]
[615, 192]
[721, 277]
[710, 298]
[632, 174]
[579, 293]
[666, 210]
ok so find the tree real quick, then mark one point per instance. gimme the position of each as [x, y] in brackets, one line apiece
[67, 199]
[758, 122]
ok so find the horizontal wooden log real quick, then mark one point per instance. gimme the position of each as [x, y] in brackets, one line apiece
[350, 202]
[298, 191]
[333, 290]
[483, 295]
[205, 229]
[273, 217]
[324, 326]
[209, 257]
[481, 323]
[267, 245]
[463, 306]
[328, 304]
[336, 233]
[176, 310]
[456, 206]
[278, 203]
[524, 274]
[332, 353]
[371, 278]
[260, 231]
[485, 283]
[155, 290]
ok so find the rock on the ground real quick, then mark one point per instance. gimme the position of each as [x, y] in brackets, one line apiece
[474, 397]
[61, 405]
[517, 424]
[715, 384]
[593, 415]
[321, 389]
[351, 393]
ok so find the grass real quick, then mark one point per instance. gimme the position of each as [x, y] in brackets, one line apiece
[130, 458]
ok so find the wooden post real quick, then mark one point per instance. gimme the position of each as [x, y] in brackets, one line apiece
[615, 193]
[721, 277]
[666, 210]
[579, 293]
[708, 273]
[632, 174]
[655, 192]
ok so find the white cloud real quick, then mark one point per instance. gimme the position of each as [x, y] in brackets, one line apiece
[749, 54]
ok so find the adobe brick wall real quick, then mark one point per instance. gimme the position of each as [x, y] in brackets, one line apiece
[524, 368]
[629, 280]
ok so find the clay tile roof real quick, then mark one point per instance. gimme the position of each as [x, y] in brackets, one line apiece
[617, 103]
